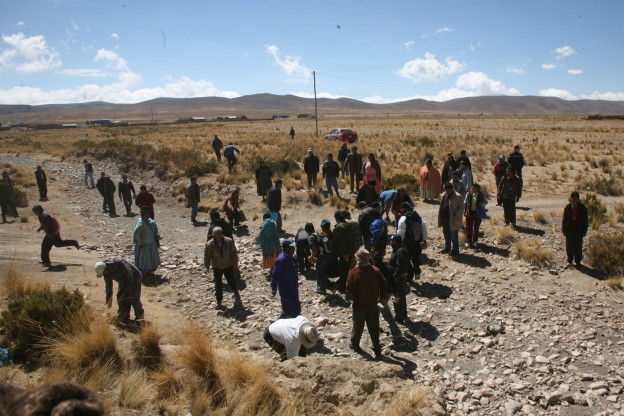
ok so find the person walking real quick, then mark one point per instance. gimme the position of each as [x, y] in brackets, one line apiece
[574, 225]
[343, 152]
[263, 179]
[450, 218]
[127, 194]
[400, 265]
[145, 201]
[100, 184]
[292, 133]
[193, 197]
[52, 238]
[466, 175]
[499, 170]
[88, 167]
[331, 170]
[217, 221]
[284, 279]
[475, 203]
[311, 167]
[128, 279]
[109, 195]
[353, 166]
[274, 204]
[230, 154]
[450, 166]
[146, 240]
[372, 170]
[7, 205]
[412, 229]
[430, 181]
[268, 240]
[217, 145]
[367, 287]
[516, 161]
[231, 206]
[42, 183]
[220, 253]
[509, 192]
[290, 337]
[321, 247]
[379, 238]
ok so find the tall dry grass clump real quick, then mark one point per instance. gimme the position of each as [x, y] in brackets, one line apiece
[168, 384]
[534, 252]
[615, 283]
[605, 252]
[539, 217]
[13, 283]
[137, 391]
[316, 197]
[418, 402]
[146, 347]
[336, 201]
[505, 235]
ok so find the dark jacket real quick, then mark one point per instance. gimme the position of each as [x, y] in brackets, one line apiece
[516, 160]
[223, 224]
[217, 144]
[510, 187]
[353, 163]
[274, 200]
[193, 194]
[109, 187]
[331, 169]
[125, 274]
[40, 176]
[466, 160]
[367, 194]
[284, 277]
[100, 186]
[311, 164]
[582, 222]
[6, 189]
[365, 219]
[126, 189]
[366, 285]
[49, 224]
[399, 264]
[448, 168]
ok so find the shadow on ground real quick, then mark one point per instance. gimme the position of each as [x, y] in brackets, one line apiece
[472, 260]
[529, 230]
[432, 290]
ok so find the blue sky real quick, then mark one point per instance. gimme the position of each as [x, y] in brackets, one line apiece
[68, 51]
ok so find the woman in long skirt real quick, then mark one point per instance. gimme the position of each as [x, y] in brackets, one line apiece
[268, 240]
[145, 237]
[372, 170]
[430, 182]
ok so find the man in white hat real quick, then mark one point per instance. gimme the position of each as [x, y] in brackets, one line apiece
[290, 337]
[128, 279]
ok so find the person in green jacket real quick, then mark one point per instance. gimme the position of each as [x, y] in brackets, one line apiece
[342, 158]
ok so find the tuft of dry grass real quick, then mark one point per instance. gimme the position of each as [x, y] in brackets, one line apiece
[505, 235]
[168, 384]
[532, 251]
[137, 392]
[336, 201]
[419, 402]
[615, 283]
[146, 347]
[539, 217]
[24, 218]
[316, 197]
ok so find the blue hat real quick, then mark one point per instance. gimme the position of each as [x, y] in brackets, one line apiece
[397, 238]
[288, 243]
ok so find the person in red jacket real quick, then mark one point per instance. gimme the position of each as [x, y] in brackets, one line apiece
[145, 200]
[52, 229]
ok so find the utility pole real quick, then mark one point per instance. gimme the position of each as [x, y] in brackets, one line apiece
[315, 106]
[152, 110]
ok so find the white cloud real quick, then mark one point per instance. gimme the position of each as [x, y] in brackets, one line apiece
[564, 52]
[409, 44]
[575, 71]
[516, 70]
[78, 72]
[19, 24]
[484, 85]
[74, 26]
[28, 54]
[474, 46]
[291, 65]
[548, 67]
[554, 92]
[429, 68]
[115, 36]
[596, 95]
[444, 30]
[318, 95]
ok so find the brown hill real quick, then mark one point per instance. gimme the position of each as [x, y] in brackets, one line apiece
[265, 105]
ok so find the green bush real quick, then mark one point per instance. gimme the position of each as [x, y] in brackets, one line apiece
[279, 167]
[605, 252]
[36, 315]
[201, 169]
[595, 208]
[604, 186]
[402, 180]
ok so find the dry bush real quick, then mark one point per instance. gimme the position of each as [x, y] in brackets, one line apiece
[539, 217]
[20, 175]
[618, 209]
[615, 283]
[505, 235]
[316, 197]
[419, 402]
[24, 218]
[168, 384]
[532, 251]
[605, 252]
[294, 199]
[336, 201]
[197, 354]
[137, 392]
[13, 283]
[146, 347]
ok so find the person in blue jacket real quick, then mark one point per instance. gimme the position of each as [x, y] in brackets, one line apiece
[379, 237]
[284, 279]
[228, 152]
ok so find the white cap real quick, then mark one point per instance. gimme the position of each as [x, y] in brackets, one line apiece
[99, 268]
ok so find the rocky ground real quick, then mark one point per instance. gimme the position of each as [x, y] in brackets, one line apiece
[561, 352]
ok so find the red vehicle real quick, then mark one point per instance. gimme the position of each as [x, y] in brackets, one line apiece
[345, 135]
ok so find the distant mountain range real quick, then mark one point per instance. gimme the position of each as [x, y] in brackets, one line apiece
[266, 105]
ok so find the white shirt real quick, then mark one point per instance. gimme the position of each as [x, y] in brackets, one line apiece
[286, 332]
[401, 227]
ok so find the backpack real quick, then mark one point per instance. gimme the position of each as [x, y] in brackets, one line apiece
[324, 244]
[302, 239]
[413, 226]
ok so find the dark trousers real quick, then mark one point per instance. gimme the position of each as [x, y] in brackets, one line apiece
[231, 162]
[127, 201]
[415, 250]
[509, 208]
[323, 264]
[8, 207]
[129, 296]
[400, 308]
[229, 277]
[370, 317]
[312, 177]
[574, 246]
[43, 190]
[472, 227]
[218, 154]
[355, 178]
[303, 253]
[55, 241]
[278, 347]
[109, 200]
[233, 217]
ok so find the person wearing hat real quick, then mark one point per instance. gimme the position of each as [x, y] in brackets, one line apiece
[268, 240]
[499, 169]
[128, 279]
[463, 157]
[321, 247]
[516, 161]
[509, 192]
[367, 287]
[400, 265]
[331, 170]
[343, 152]
[311, 165]
[52, 237]
[430, 181]
[88, 167]
[42, 183]
[217, 145]
[372, 170]
[574, 225]
[368, 192]
[6, 197]
[263, 179]
[450, 218]
[458, 185]
[126, 193]
[100, 187]
[229, 153]
[193, 197]
[220, 253]
[291, 336]
[450, 166]
[353, 165]
[109, 195]
[284, 279]
[217, 221]
[274, 203]
[231, 207]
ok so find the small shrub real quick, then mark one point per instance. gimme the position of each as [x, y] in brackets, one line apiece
[615, 283]
[35, 315]
[279, 167]
[24, 218]
[603, 185]
[403, 180]
[19, 197]
[619, 211]
[505, 235]
[136, 392]
[533, 252]
[595, 208]
[168, 385]
[539, 217]
[316, 197]
[146, 347]
[201, 169]
[335, 201]
[605, 252]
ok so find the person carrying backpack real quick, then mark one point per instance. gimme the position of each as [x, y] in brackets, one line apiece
[413, 231]
[321, 246]
[303, 246]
